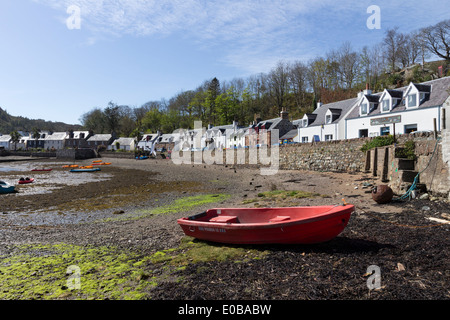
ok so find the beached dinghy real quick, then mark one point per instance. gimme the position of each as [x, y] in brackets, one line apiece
[289, 225]
[5, 187]
[26, 180]
[85, 170]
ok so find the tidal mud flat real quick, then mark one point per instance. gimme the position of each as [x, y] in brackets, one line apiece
[118, 226]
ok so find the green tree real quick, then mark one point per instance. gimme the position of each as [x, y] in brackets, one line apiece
[112, 117]
[94, 120]
[15, 138]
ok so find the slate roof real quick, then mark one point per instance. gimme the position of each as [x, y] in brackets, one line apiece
[124, 141]
[319, 114]
[290, 135]
[100, 137]
[56, 136]
[5, 137]
[436, 94]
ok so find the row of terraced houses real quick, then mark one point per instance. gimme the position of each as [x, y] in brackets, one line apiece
[416, 107]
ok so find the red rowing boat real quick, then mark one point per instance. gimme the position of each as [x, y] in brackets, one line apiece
[289, 225]
[25, 180]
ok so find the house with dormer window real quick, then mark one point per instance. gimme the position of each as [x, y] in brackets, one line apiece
[325, 123]
[416, 107]
[390, 99]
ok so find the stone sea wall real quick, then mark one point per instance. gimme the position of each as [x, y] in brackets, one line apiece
[334, 156]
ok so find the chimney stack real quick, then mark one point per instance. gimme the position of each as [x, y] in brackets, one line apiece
[367, 91]
[284, 114]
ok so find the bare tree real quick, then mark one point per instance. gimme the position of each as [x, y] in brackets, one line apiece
[437, 39]
[348, 62]
[279, 84]
[298, 79]
[394, 45]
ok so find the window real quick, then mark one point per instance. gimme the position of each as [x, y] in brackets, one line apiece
[305, 123]
[304, 139]
[364, 108]
[412, 100]
[328, 119]
[328, 137]
[410, 128]
[363, 133]
[422, 96]
[386, 105]
[384, 131]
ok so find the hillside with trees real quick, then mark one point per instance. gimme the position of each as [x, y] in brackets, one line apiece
[294, 86]
[9, 123]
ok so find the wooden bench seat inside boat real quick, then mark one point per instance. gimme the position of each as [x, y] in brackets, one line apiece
[224, 219]
[280, 218]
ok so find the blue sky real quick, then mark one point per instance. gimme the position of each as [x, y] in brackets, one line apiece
[135, 51]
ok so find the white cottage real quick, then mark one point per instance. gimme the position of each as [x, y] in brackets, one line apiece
[127, 144]
[5, 141]
[417, 107]
[325, 123]
[55, 140]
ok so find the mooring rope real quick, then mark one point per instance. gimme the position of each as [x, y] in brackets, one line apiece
[407, 194]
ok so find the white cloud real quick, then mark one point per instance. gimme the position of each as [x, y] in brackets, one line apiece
[249, 33]
[244, 29]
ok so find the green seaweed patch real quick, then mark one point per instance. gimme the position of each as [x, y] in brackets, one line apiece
[281, 195]
[50, 272]
[47, 272]
[179, 205]
[187, 203]
[192, 251]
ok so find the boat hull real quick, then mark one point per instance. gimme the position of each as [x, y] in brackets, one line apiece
[276, 226]
[85, 170]
[6, 188]
[26, 181]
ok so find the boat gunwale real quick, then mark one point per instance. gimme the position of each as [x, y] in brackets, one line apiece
[267, 225]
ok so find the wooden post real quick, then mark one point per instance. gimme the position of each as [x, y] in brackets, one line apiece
[444, 126]
[435, 129]
[393, 129]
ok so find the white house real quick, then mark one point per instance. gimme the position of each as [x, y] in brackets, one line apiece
[5, 141]
[226, 136]
[97, 140]
[55, 140]
[127, 144]
[214, 138]
[325, 123]
[146, 141]
[416, 107]
[189, 140]
[236, 137]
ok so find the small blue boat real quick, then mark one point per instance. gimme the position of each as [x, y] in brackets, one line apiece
[5, 187]
[85, 170]
[141, 158]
